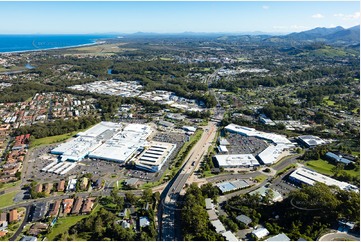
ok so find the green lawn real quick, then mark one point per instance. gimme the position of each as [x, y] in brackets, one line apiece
[260, 178]
[9, 185]
[52, 139]
[63, 224]
[208, 174]
[7, 199]
[325, 168]
[321, 166]
[328, 102]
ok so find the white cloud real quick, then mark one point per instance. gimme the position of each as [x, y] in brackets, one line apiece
[299, 27]
[291, 28]
[355, 15]
[317, 15]
[265, 7]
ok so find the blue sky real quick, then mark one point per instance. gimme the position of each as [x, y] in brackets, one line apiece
[174, 17]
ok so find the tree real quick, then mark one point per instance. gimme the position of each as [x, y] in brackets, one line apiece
[147, 195]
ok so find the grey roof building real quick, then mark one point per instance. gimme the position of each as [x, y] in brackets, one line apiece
[244, 219]
[209, 204]
[29, 238]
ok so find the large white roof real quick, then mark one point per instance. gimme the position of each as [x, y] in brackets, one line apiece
[105, 141]
[310, 177]
[100, 128]
[236, 160]
[275, 138]
[271, 154]
[260, 233]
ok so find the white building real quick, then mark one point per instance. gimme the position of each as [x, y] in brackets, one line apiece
[271, 154]
[250, 132]
[309, 177]
[311, 140]
[154, 156]
[260, 233]
[236, 161]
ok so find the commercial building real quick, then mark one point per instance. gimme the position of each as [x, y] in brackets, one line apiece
[310, 141]
[87, 141]
[123, 144]
[338, 158]
[231, 186]
[250, 132]
[71, 185]
[236, 161]
[309, 177]
[271, 154]
[154, 156]
[222, 149]
[263, 191]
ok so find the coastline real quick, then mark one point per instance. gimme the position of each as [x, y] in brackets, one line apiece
[96, 42]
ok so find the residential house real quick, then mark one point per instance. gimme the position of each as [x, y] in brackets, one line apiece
[61, 186]
[39, 188]
[88, 205]
[54, 209]
[77, 205]
[13, 216]
[244, 219]
[67, 204]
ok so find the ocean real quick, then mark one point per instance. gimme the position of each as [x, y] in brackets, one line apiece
[20, 43]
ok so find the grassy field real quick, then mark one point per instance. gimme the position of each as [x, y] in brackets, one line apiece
[52, 139]
[7, 199]
[63, 224]
[328, 102]
[325, 168]
[9, 185]
[260, 178]
[13, 68]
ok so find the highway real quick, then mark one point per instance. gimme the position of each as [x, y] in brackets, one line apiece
[169, 211]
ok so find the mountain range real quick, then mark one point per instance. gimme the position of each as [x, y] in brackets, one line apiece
[337, 34]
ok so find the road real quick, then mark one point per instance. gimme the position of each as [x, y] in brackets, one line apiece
[339, 237]
[168, 212]
[105, 192]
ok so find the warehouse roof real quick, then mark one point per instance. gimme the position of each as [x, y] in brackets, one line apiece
[250, 132]
[310, 177]
[236, 160]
